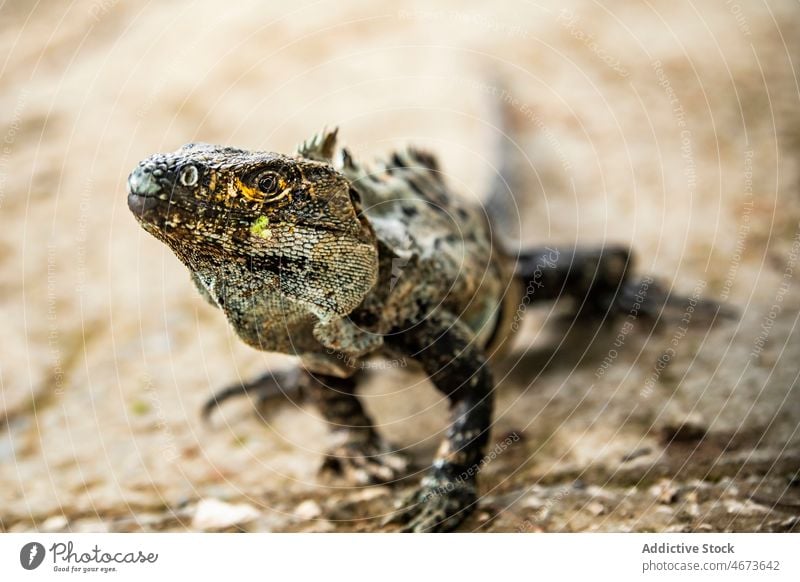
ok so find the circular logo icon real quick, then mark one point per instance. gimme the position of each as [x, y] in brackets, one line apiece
[31, 555]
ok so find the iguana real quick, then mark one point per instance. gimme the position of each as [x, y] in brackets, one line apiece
[319, 256]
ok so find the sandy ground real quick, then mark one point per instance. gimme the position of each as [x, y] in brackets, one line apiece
[672, 126]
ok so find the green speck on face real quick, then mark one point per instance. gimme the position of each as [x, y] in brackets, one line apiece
[260, 228]
[140, 407]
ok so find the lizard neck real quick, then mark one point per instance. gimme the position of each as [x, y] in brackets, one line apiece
[259, 313]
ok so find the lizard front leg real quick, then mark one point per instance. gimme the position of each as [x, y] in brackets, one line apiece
[361, 456]
[272, 387]
[447, 351]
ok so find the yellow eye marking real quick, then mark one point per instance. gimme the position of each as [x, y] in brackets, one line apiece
[256, 195]
[248, 192]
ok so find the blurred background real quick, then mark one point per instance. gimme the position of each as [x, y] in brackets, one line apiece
[670, 126]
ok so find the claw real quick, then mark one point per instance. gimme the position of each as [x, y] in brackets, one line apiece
[366, 463]
[271, 386]
[402, 513]
[652, 300]
[439, 508]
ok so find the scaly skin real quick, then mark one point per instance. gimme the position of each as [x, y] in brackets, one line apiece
[334, 262]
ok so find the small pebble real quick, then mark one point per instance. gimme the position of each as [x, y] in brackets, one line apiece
[746, 508]
[54, 524]
[213, 514]
[370, 493]
[321, 526]
[665, 492]
[596, 508]
[533, 501]
[308, 509]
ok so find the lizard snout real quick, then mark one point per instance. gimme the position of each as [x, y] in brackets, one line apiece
[142, 182]
[144, 188]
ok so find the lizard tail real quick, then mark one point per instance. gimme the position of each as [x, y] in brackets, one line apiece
[504, 200]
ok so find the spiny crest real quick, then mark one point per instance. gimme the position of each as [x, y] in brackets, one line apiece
[321, 146]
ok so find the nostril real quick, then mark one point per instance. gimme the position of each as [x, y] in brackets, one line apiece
[142, 182]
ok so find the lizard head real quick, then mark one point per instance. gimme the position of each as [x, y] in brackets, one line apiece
[290, 224]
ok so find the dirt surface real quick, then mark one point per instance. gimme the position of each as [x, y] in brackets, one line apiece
[670, 126]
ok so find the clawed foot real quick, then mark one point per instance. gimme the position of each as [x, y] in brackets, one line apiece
[365, 463]
[438, 507]
[649, 298]
[269, 388]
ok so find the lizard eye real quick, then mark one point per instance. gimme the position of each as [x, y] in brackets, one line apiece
[268, 183]
[189, 175]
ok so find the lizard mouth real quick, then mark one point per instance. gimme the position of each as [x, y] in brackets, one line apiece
[141, 204]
